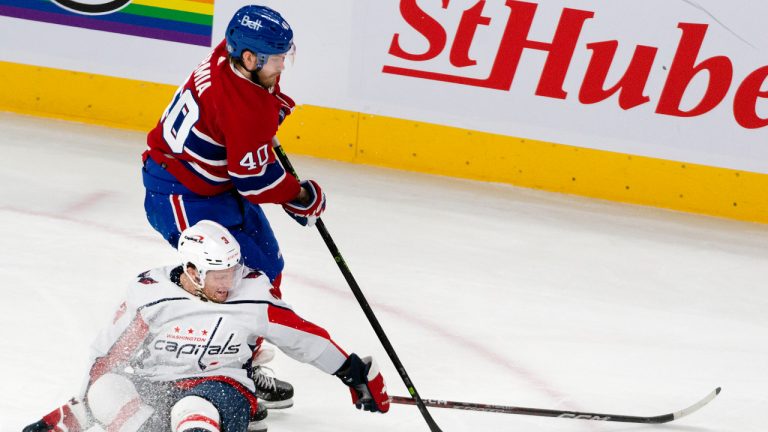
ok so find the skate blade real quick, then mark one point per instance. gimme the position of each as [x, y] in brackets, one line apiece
[257, 426]
[277, 404]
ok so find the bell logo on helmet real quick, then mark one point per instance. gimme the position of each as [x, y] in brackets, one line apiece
[255, 25]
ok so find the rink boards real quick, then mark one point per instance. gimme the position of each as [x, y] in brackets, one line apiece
[501, 91]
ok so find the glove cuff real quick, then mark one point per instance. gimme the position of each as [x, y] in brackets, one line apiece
[353, 372]
[312, 189]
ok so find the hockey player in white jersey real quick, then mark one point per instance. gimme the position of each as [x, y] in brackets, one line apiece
[173, 358]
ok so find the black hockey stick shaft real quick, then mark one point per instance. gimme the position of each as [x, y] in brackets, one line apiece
[362, 301]
[577, 415]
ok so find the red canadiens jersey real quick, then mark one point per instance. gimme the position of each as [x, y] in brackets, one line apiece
[217, 134]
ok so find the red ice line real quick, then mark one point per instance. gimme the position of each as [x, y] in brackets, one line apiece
[88, 201]
[85, 223]
[489, 354]
[493, 356]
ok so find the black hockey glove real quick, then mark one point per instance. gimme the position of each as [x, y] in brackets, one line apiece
[40, 426]
[369, 392]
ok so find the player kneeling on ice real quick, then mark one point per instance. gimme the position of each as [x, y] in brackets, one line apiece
[176, 356]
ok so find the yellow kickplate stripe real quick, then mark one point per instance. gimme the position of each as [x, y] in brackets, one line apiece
[404, 144]
[535, 164]
[84, 97]
[322, 132]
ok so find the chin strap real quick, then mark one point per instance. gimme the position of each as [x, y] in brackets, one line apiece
[201, 295]
[254, 73]
[198, 287]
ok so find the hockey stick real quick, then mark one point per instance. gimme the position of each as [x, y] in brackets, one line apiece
[578, 415]
[361, 300]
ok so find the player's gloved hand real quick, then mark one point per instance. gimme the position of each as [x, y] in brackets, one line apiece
[40, 426]
[71, 416]
[369, 392]
[308, 210]
[286, 107]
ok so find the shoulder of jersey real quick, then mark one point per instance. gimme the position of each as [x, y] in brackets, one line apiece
[254, 279]
[219, 63]
[152, 277]
[254, 285]
[155, 283]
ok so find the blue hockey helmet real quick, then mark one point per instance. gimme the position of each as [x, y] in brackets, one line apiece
[258, 29]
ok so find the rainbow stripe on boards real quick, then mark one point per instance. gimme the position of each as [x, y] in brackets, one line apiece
[184, 21]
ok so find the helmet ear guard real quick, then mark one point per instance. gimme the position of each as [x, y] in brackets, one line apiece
[198, 280]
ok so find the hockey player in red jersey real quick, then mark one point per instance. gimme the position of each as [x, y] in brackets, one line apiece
[210, 155]
[172, 358]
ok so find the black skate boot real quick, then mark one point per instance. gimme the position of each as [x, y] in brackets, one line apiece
[258, 422]
[272, 392]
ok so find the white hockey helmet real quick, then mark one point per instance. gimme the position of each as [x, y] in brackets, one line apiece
[208, 246]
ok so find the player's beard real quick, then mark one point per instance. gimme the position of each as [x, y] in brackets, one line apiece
[267, 82]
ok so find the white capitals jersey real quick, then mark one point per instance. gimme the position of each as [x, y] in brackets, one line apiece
[164, 333]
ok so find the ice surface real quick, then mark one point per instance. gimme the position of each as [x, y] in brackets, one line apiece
[489, 293]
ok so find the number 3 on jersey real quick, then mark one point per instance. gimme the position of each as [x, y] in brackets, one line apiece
[179, 119]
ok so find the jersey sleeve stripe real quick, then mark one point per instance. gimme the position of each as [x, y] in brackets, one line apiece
[288, 318]
[243, 186]
[245, 176]
[205, 137]
[204, 150]
[122, 349]
[203, 173]
[211, 162]
[303, 340]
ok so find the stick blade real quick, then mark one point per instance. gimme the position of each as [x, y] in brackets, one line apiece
[697, 406]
